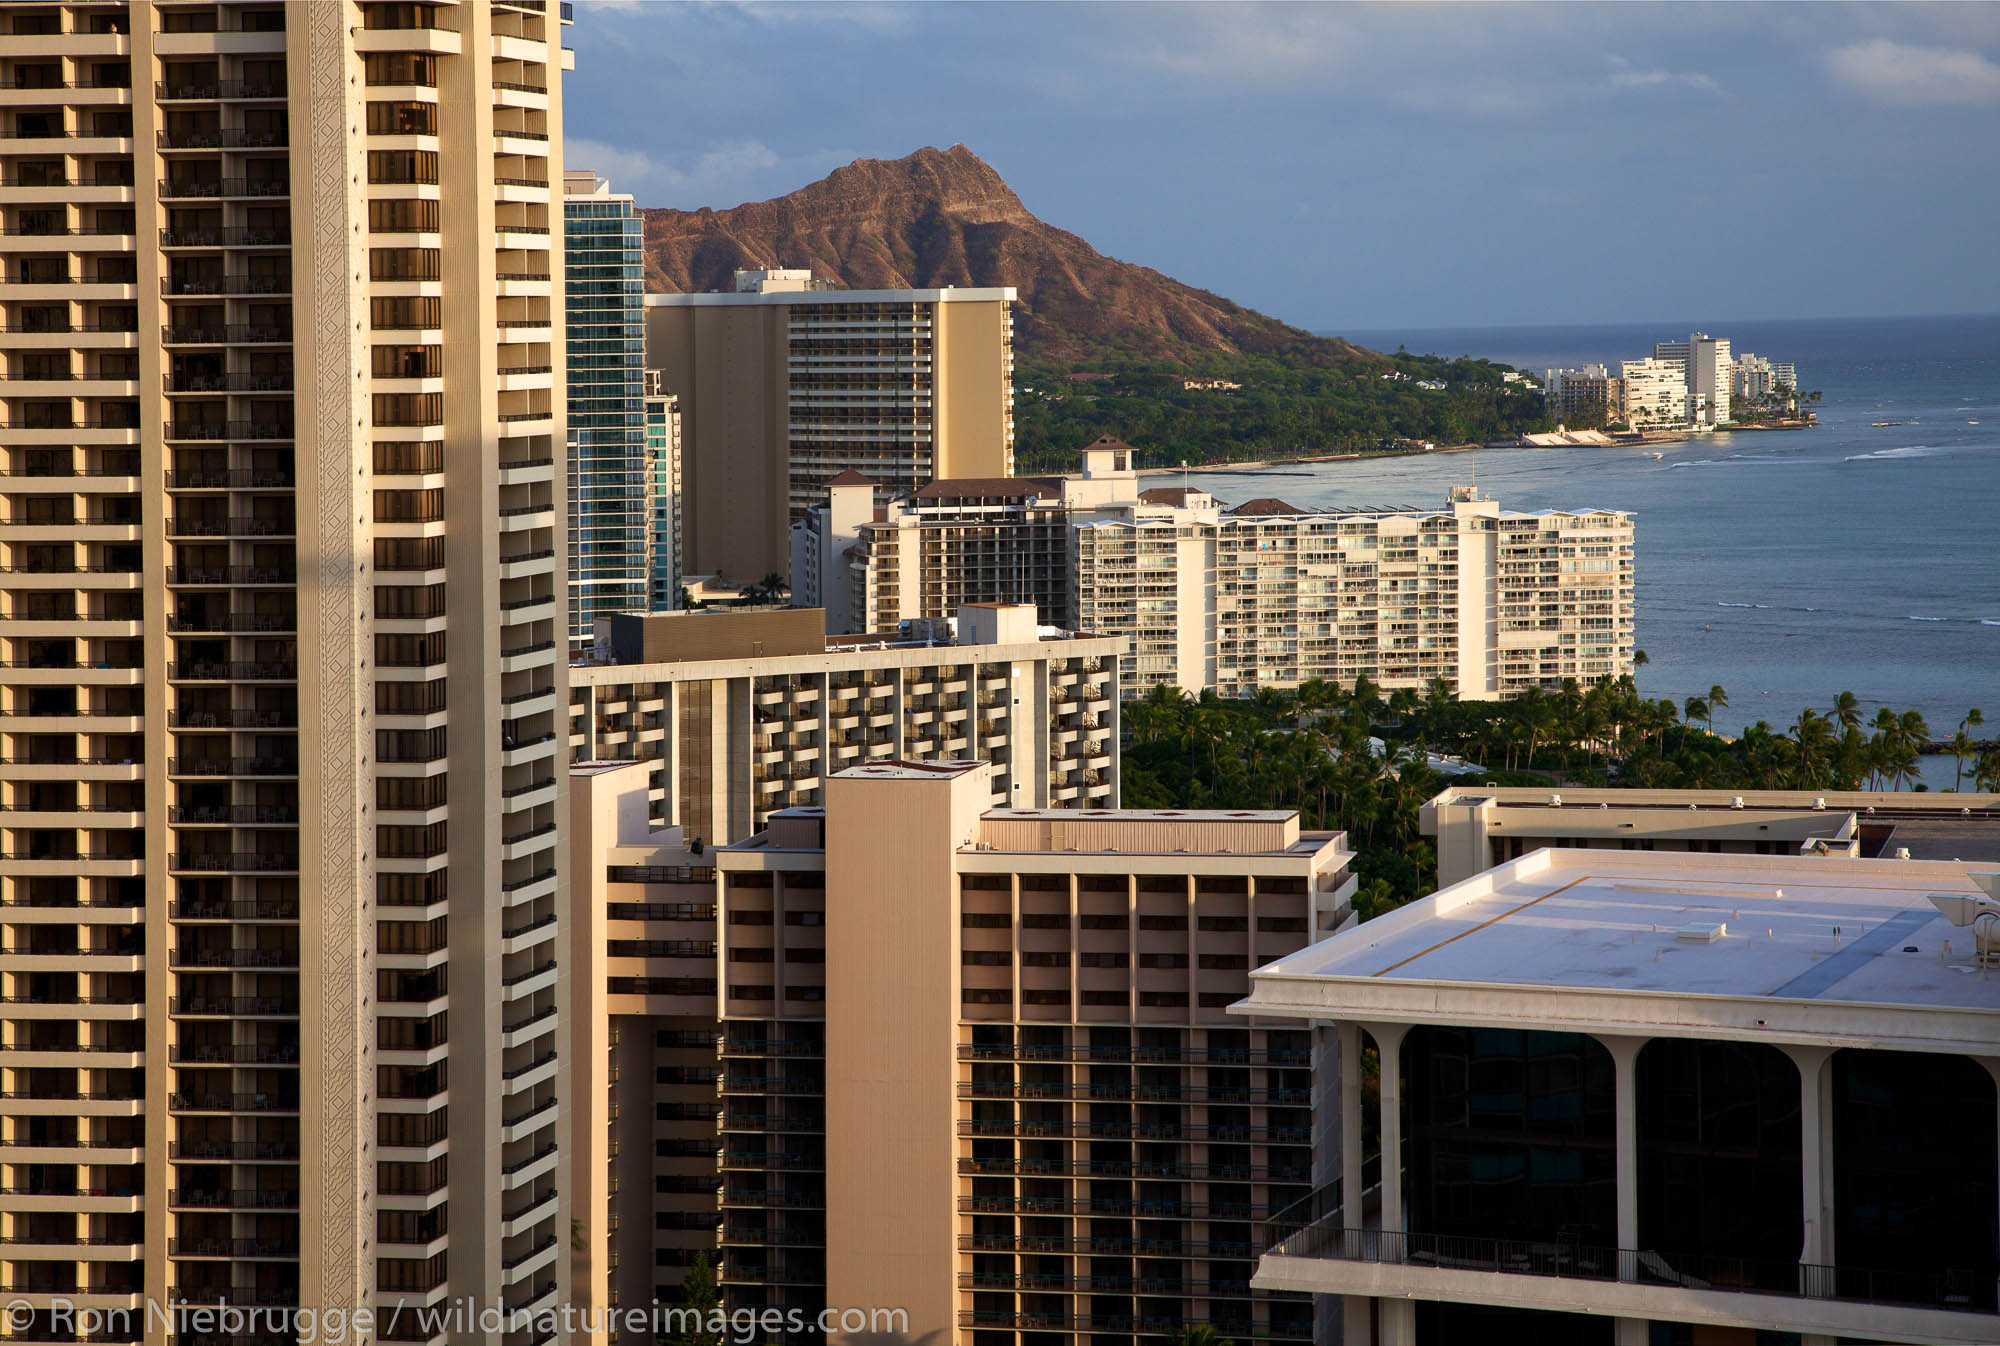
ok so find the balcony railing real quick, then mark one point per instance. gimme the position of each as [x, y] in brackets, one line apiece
[1313, 1228]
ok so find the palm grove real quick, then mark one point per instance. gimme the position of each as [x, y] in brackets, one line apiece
[1355, 759]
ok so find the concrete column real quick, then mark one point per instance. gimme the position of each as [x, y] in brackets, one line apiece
[1357, 1321]
[1815, 1163]
[1815, 1152]
[1398, 1316]
[1624, 1061]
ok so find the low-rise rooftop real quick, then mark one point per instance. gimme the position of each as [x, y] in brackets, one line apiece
[1641, 938]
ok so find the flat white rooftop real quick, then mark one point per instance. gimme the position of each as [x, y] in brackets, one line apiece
[1593, 938]
[971, 294]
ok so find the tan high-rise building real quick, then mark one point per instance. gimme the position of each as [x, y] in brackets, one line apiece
[907, 1051]
[739, 715]
[281, 663]
[784, 386]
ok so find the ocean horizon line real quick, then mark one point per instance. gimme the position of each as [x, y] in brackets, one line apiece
[1667, 324]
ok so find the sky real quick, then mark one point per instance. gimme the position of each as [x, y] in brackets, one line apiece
[1348, 167]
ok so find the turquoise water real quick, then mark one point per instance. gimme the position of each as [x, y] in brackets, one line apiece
[1786, 566]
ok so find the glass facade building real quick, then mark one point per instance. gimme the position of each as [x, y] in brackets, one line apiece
[663, 491]
[610, 475]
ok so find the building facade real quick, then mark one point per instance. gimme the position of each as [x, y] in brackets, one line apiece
[1589, 393]
[906, 1049]
[1656, 394]
[1629, 1098]
[957, 541]
[1264, 594]
[1705, 374]
[1753, 378]
[1492, 602]
[613, 466]
[663, 494]
[272, 805]
[739, 716]
[784, 385]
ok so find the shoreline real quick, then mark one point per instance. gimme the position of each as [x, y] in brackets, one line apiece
[1645, 440]
[1307, 460]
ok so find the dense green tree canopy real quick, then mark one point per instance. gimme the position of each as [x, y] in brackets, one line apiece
[1284, 408]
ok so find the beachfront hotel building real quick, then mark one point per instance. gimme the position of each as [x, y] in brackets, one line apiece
[1478, 827]
[280, 658]
[738, 715]
[1492, 602]
[785, 384]
[1591, 390]
[1656, 394]
[1752, 378]
[1631, 1097]
[1264, 594]
[1705, 373]
[610, 487]
[909, 1049]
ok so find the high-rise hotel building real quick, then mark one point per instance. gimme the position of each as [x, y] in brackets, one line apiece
[279, 434]
[611, 525]
[907, 1049]
[784, 384]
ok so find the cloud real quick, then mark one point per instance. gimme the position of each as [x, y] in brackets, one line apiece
[1254, 43]
[1624, 75]
[722, 176]
[1903, 75]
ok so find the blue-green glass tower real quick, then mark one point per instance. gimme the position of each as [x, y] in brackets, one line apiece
[610, 506]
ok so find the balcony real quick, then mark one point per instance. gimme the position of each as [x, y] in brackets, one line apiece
[223, 188]
[1309, 1247]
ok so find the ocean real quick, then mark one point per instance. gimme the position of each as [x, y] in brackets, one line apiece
[1785, 566]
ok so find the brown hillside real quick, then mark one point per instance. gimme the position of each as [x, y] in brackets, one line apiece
[943, 217]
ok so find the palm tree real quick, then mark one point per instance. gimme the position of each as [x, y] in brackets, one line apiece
[1961, 744]
[1847, 710]
[1366, 698]
[1986, 770]
[1813, 736]
[1536, 714]
[1696, 709]
[1717, 700]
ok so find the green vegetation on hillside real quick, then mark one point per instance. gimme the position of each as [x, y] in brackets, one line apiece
[1287, 407]
[1310, 750]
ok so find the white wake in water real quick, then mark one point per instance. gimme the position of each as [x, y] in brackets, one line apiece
[1906, 451]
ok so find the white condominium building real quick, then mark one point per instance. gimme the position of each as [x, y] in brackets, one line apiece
[1704, 362]
[1265, 594]
[1656, 393]
[1271, 595]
